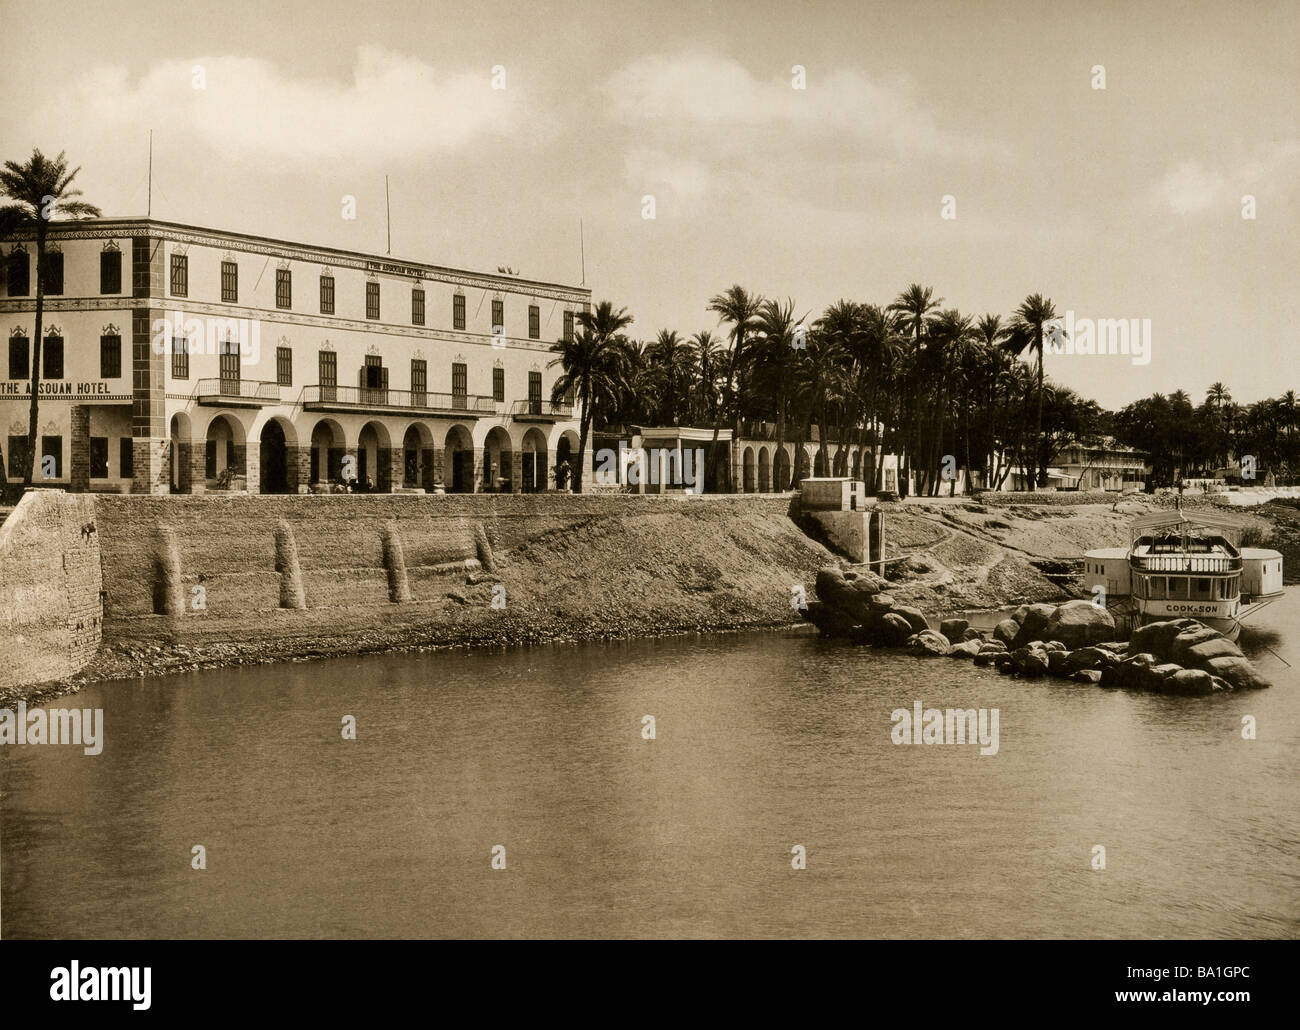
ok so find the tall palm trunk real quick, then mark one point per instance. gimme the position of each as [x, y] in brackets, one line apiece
[1038, 434]
[584, 427]
[36, 352]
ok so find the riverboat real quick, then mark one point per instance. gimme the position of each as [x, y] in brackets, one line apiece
[1182, 564]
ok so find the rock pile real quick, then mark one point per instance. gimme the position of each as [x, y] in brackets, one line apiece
[1072, 641]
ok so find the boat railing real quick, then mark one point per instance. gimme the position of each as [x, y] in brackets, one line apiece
[1186, 563]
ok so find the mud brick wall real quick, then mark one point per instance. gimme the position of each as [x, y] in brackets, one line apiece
[50, 582]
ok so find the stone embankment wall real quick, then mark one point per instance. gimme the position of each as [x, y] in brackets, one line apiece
[49, 587]
[190, 581]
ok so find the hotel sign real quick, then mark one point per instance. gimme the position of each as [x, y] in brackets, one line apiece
[383, 266]
[56, 388]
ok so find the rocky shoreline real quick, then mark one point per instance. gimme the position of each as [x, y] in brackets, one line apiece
[1073, 641]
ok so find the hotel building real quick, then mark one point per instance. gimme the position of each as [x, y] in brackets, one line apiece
[180, 359]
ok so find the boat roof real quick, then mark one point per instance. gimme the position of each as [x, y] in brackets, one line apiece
[1207, 519]
[1100, 553]
[1259, 554]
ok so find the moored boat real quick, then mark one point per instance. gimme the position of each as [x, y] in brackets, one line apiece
[1182, 564]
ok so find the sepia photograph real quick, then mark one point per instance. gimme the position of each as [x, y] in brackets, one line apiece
[674, 471]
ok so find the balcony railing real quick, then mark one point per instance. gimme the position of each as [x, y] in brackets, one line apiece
[540, 409]
[237, 392]
[370, 398]
[1186, 563]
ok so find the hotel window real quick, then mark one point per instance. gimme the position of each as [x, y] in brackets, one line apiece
[374, 380]
[228, 358]
[180, 358]
[498, 316]
[99, 457]
[534, 393]
[52, 357]
[372, 299]
[534, 322]
[498, 384]
[327, 294]
[458, 311]
[419, 382]
[568, 326]
[417, 307]
[18, 460]
[125, 457]
[110, 356]
[459, 385]
[19, 366]
[230, 282]
[180, 275]
[110, 273]
[54, 273]
[19, 274]
[283, 288]
[52, 447]
[284, 366]
[329, 375]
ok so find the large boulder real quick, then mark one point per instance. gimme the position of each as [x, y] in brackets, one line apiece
[928, 644]
[829, 620]
[1031, 662]
[1131, 672]
[1034, 625]
[1188, 683]
[1088, 658]
[881, 602]
[965, 649]
[1200, 654]
[1086, 676]
[1057, 662]
[954, 628]
[830, 583]
[1080, 623]
[971, 633]
[1188, 638]
[894, 629]
[1006, 631]
[1156, 637]
[1237, 671]
[864, 582]
[914, 617]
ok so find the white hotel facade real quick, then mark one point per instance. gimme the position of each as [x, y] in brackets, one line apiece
[289, 364]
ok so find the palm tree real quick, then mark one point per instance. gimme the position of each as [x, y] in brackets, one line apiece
[1218, 395]
[39, 190]
[913, 307]
[592, 363]
[774, 360]
[1028, 328]
[955, 346]
[739, 308]
[673, 361]
[708, 368]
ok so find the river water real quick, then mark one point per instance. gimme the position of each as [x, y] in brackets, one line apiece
[762, 742]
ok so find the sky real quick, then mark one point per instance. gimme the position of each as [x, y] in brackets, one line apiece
[503, 127]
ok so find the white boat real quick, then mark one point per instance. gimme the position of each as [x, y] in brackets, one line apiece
[1185, 564]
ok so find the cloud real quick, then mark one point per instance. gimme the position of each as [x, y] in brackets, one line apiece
[396, 107]
[713, 92]
[1191, 187]
[683, 183]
